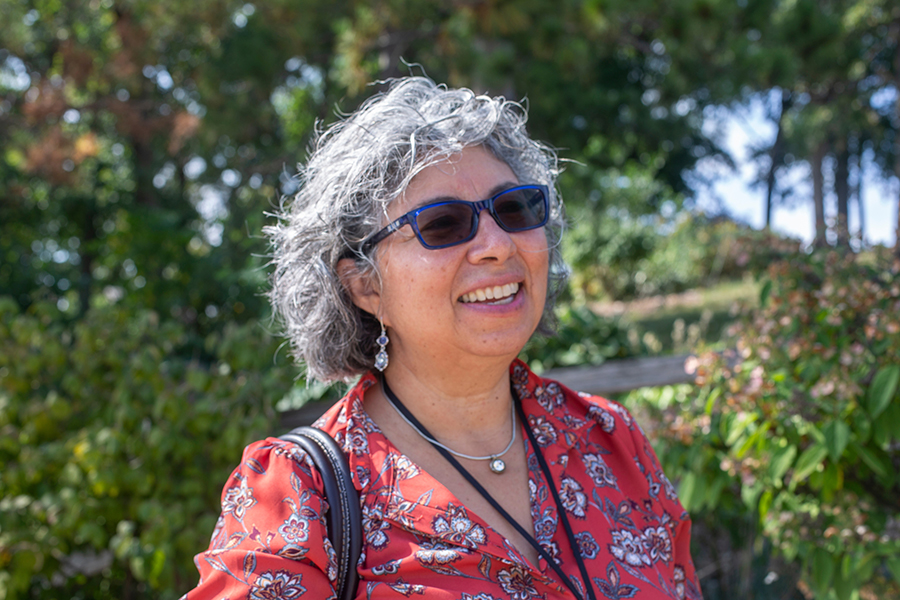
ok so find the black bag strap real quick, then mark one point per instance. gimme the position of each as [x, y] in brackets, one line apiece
[343, 518]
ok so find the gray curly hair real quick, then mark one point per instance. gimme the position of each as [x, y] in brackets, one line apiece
[357, 166]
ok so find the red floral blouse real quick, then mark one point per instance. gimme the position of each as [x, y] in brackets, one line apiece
[420, 540]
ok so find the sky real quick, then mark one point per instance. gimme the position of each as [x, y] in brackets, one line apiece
[746, 127]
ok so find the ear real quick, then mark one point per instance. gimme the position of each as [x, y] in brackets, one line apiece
[361, 287]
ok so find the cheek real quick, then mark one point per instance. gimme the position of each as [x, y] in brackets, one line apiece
[536, 252]
[537, 257]
[415, 284]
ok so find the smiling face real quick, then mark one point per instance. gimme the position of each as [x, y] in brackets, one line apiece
[481, 298]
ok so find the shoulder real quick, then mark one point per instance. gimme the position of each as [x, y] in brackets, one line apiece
[276, 475]
[589, 421]
[274, 478]
[571, 406]
[348, 413]
[271, 534]
[262, 456]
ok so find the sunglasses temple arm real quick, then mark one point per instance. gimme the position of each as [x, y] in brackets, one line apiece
[391, 228]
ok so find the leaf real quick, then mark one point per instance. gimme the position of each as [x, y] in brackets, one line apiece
[764, 293]
[448, 570]
[883, 387]
[750, 494]
[832, 481]
[711, 400]
[425, 498]
[815, 434]
[484, 566]
[867, 565]
[822, 570]
[714, 491]
[765, 503]
[893, 565]
[873, 461]
[753, 439]
[845, 581]
[686, 490]
[837, 435]
[887, 425]
[811, 458]
[737, 426]
[157, 564]
[249, 565]
[782, 461]
[862, 426]
[892, 415]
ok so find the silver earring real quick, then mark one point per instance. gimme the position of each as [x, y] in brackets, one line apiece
[381, 359]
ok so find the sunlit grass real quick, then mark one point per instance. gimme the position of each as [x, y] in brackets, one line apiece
[677, 323]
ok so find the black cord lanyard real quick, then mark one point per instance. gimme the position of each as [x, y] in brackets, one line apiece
[474, 482]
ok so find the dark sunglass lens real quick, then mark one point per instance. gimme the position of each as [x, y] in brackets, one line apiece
[521, 209]
[445, 224]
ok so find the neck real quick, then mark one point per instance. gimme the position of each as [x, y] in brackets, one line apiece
[479, 401]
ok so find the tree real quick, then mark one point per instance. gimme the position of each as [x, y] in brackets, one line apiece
[837, 55]
[883, 58]
[776, 154]
[142, 145]
[142, 142]
[617, 86]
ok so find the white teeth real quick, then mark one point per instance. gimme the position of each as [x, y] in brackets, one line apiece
[492, 293]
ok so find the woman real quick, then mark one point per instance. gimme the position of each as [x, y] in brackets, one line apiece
[424, 242]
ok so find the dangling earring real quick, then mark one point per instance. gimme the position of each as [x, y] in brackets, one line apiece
[381, 359]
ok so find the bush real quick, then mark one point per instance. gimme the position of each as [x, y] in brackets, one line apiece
[798, 425]
[114, 452]
[701, 251]
[605, 250]
[619, 257]
[582, 338]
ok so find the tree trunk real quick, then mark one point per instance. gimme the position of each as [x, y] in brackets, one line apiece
[895, 32]
[842, 191]
[819, 195]
[897, 164]
[88, 251]
[858, 192]
[776, 155]
[897, 230]
[143, 173]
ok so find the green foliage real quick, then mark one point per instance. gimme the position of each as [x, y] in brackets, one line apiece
[112, 103]
[701, 251]
[605, 249]
[114, 448]
[797, 424]
[582, 338]
[620, 257]
[142, 142]
[619, 89]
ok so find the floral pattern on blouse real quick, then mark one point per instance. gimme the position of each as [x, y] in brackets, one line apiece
[421, 541]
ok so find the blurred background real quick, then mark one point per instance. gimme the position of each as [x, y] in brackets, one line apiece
[731, 179]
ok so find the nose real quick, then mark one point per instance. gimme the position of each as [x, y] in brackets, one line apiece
[491, 242]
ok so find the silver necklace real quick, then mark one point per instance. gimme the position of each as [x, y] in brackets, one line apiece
[497, 464]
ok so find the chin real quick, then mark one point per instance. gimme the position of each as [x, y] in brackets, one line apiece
[502, 346]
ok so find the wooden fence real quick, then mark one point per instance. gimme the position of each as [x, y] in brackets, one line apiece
[613, 377]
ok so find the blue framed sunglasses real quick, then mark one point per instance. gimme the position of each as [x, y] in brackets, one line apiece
[453, 222]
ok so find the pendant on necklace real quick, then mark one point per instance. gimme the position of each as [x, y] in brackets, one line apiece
[497, 465]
